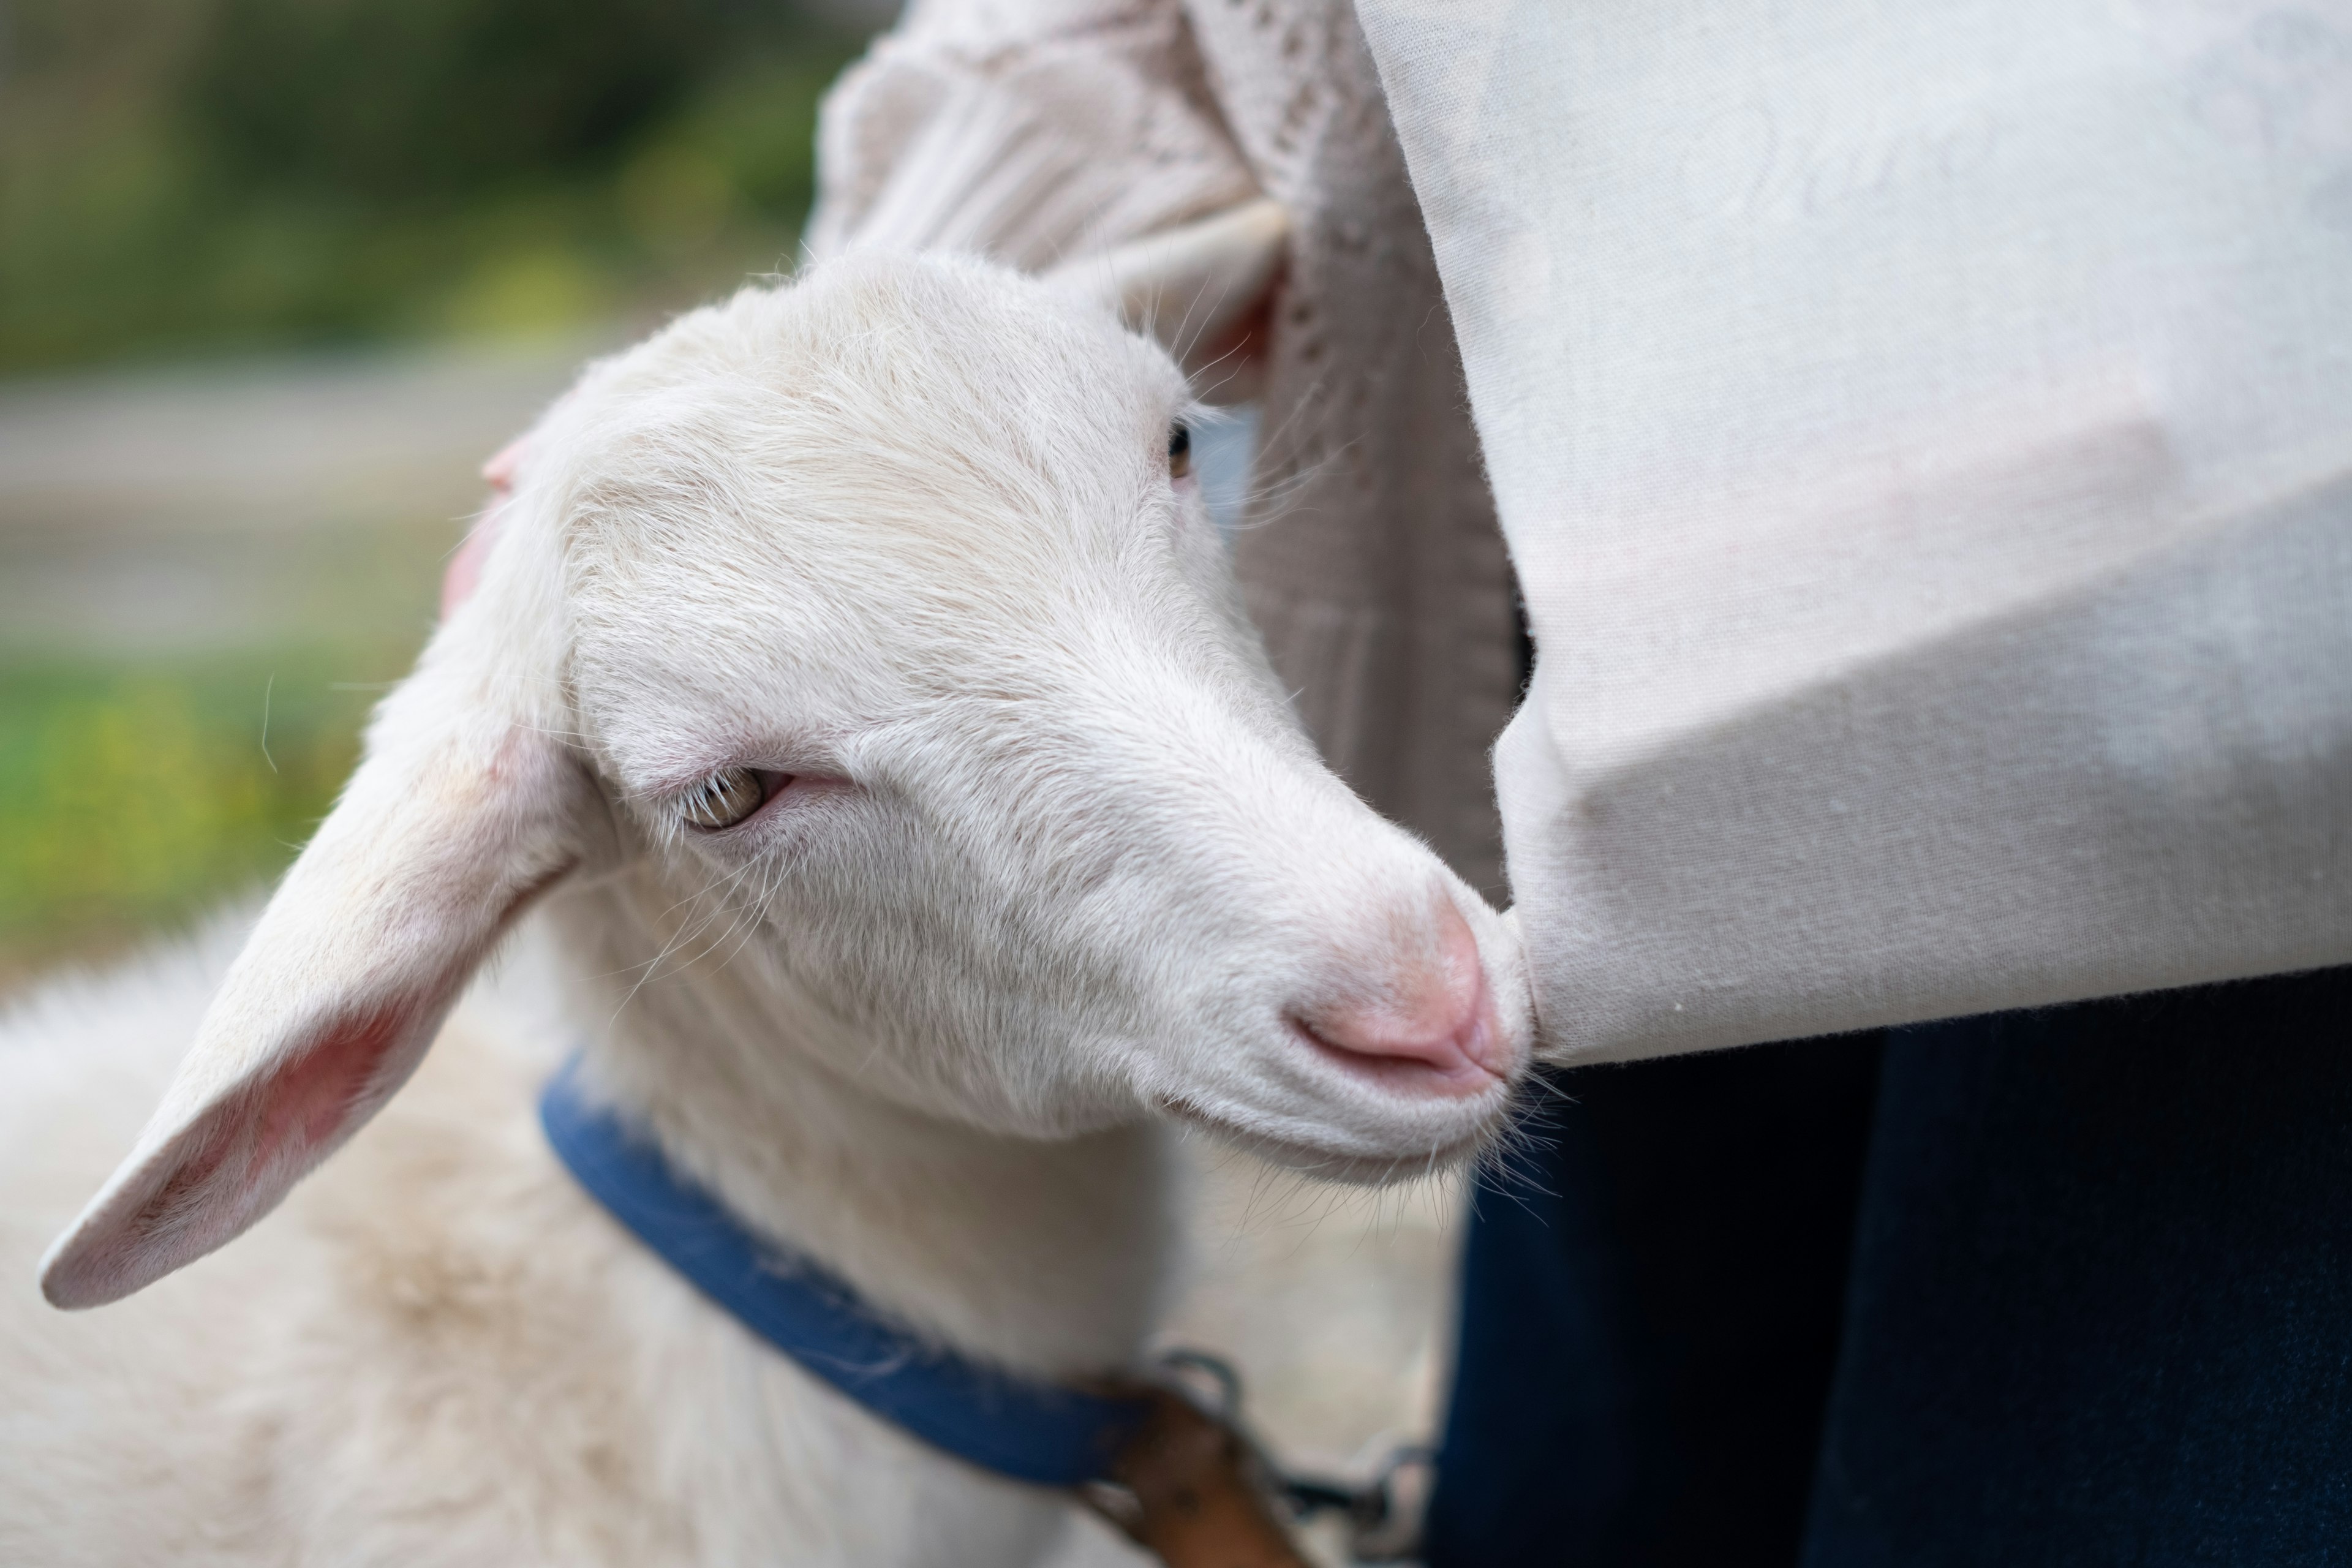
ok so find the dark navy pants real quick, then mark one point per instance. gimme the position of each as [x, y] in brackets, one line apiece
[2096, 1307]
[1650, 1312]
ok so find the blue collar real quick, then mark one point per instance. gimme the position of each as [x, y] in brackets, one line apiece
[1030, 1431]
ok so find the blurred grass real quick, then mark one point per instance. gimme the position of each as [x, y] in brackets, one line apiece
[138, 792]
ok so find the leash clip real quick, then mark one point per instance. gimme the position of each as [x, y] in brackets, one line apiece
[1382, 1515]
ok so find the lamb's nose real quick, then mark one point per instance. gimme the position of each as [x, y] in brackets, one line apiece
[1434, 1031]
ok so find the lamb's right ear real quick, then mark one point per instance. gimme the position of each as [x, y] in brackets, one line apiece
[462, 813]
[1193, 288]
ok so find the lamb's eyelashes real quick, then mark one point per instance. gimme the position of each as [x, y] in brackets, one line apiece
[732, 804]
[728, 797]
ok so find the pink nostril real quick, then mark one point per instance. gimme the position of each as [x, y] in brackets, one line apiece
[1437, 1031]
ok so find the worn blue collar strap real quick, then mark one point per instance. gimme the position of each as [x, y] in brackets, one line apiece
[1030, 1431]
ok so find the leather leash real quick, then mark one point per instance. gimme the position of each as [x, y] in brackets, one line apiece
[1194, 1486]
[1193, 1492]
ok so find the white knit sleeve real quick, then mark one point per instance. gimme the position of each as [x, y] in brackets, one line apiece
[1027, 131]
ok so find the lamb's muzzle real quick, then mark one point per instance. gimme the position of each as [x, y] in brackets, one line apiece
[1432, 1029]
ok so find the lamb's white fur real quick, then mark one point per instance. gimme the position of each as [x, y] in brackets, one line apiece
[905, 526]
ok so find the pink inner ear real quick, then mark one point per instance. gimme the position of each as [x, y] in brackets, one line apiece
[306, 1104]
[264, 1138]
[260, 1142]
[232, 1162]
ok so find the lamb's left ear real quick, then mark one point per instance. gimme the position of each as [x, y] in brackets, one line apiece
[462, 813]
[1193, 288]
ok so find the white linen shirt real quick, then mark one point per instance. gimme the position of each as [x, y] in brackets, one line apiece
[1924, 434]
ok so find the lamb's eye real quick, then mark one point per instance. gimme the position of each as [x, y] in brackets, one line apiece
[1180, 450]
[725, 798]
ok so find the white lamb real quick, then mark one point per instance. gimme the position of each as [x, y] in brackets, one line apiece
[856, 721]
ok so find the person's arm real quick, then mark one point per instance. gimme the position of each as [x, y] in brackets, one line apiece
[1033, 134]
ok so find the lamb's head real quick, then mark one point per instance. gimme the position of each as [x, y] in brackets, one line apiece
[861, 648]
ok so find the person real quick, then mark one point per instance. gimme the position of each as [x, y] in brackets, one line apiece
[1919, 432]
[1917, 436]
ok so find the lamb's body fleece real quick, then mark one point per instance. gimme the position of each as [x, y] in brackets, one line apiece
[438, 1351]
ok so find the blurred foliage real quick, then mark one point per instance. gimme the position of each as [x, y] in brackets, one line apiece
[435, 96]
[134, 792]
[187, 176]
[179, 176]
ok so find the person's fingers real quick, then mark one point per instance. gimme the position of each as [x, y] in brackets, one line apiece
[465, 568]
[500, 469]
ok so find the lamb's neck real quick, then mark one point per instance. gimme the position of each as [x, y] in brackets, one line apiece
[1052, 1256]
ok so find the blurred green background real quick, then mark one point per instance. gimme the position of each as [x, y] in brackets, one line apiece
[275, 277]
